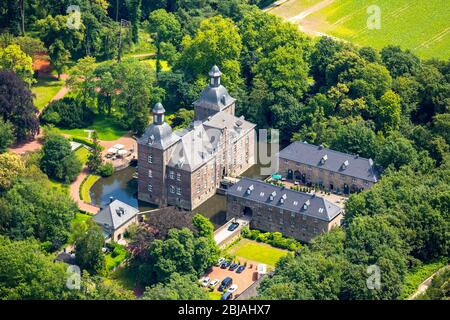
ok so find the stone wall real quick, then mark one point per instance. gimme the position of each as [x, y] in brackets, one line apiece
[331, 181]
[269, 218]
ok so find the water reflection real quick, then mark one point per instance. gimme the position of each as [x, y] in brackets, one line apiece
[122, 186]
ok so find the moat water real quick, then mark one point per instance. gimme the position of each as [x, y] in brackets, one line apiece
[122, 186]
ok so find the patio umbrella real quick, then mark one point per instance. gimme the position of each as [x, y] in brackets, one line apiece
[112, 150]
[119, 146]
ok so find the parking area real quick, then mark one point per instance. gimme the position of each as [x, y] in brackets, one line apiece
[242, 280]
[222, 236]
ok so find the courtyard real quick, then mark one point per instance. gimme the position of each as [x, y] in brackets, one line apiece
[249, 253]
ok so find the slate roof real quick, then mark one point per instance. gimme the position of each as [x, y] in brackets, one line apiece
[158, 136]
[215, 96]
[285, 199]
[309, 154]
[199, 143]
[112, 217]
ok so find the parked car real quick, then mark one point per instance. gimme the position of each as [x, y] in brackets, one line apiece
[233, 266]
[226, 283]
[240, 269]
[214, 283]
[233, 288]
[206, 281]
[225, 265]
[220, 261]
[233, 226]
[227, 296]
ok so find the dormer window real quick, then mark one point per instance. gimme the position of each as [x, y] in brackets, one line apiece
[250, 189]
[150, 173]
[150, 158]
[324, 159]
[306, 205]
[272, 195]
[345, 164]
[151, 139]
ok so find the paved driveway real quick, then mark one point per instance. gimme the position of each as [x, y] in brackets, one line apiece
[242, 280]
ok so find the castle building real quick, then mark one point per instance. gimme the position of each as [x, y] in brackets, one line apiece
[333, 170]
[185, 168]
[274, 208]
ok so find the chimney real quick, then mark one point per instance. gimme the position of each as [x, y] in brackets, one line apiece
[111, 199]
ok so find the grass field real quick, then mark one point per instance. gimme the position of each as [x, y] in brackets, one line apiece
[86, 186]
[82, 153]
[106, 129]
[422, 26]
[44, 90]
[416, 276]
[258, 252]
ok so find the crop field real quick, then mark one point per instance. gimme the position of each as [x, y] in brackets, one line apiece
[421, 26]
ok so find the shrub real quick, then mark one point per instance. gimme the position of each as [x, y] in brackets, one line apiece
[106, 170]
[67, 113]
[274, 239]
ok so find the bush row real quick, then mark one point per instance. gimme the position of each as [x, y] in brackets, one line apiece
[274, 239]
[67, 113]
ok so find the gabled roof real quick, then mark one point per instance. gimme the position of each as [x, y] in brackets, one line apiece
[115, 214]
[198, 144]
[331, 160]
[193, 149]
[284, 198]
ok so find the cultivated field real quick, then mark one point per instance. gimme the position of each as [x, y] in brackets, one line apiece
[422, 26]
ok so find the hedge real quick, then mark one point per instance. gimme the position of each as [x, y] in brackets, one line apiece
[274, 239]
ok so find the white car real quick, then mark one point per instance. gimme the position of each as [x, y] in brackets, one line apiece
[220, 261]
[233, 288]
[205, 281]
[214, 283]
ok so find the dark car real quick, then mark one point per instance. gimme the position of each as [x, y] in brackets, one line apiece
[233, 226]
[225, 265]
[226, 283]
[233, 266]
[240, 269]
[227, 296]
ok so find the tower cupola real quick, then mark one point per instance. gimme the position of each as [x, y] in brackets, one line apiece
[158, 113]
[215, 74]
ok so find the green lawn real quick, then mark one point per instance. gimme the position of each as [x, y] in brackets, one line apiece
[152, 63]
[422, 26]
[124, 277]
[86, 185]
[105, 127]
[258, 252]
[416, 276]
[115, 257]
[81, 217]
[44, 90]
[214, 295]
[82, 154]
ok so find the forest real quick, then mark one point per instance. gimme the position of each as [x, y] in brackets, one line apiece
[388, 105]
